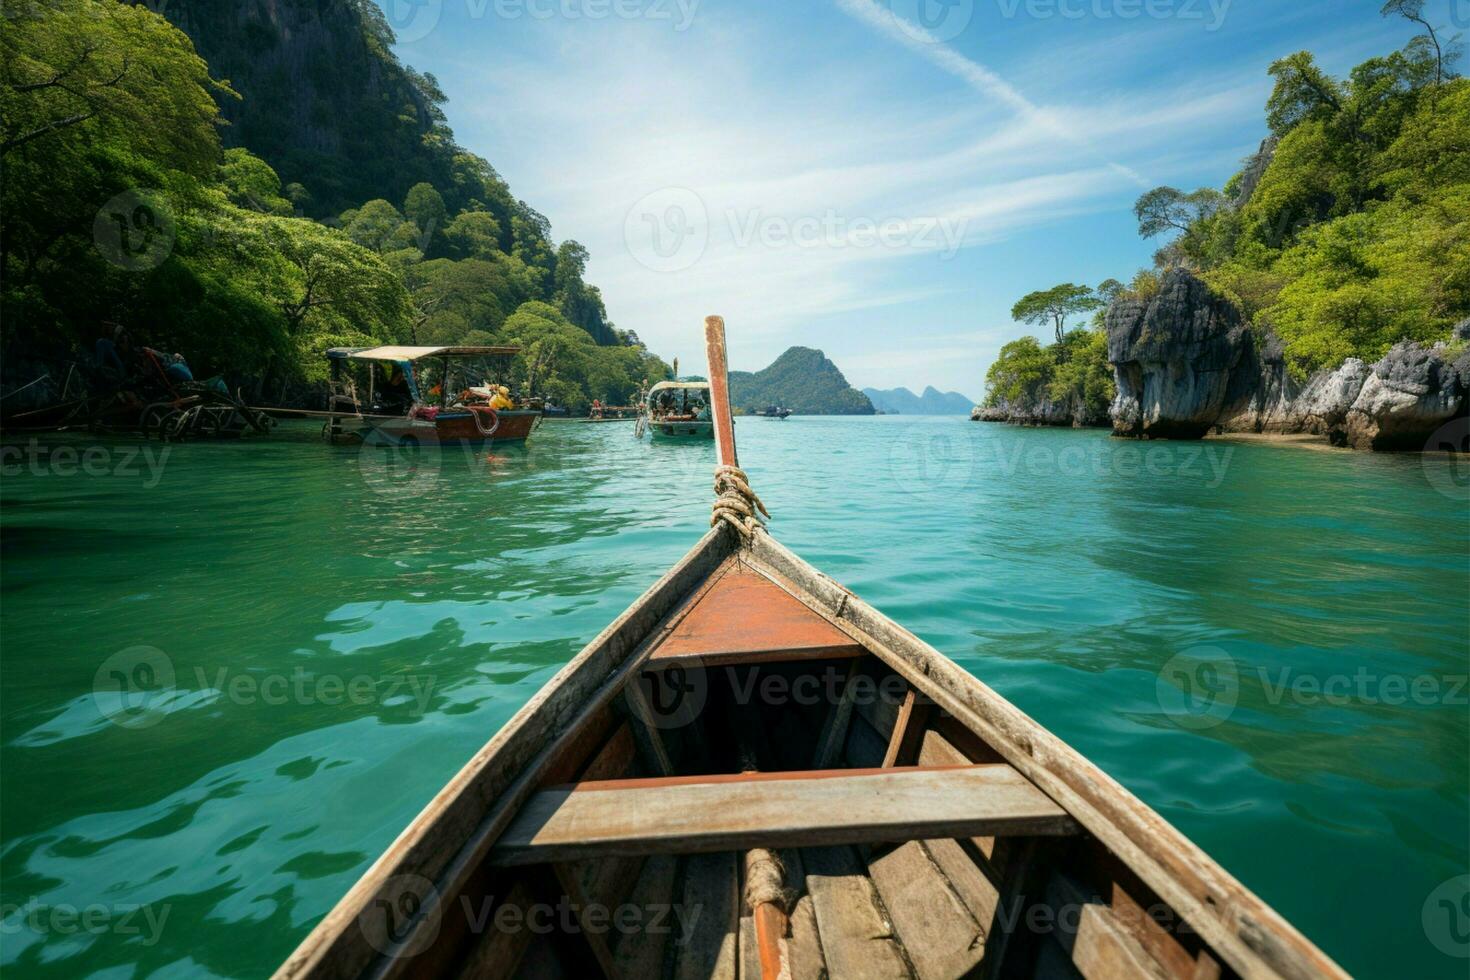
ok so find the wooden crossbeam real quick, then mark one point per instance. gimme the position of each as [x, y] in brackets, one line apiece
[691, 814]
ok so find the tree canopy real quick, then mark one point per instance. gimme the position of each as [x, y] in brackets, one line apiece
[1055, 306]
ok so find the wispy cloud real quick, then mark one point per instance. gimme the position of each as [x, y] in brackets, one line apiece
[924, 43]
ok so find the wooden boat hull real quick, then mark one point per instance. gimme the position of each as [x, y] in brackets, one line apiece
[602, 792]
[447, 429]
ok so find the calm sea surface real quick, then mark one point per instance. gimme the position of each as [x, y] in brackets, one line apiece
[229, 680]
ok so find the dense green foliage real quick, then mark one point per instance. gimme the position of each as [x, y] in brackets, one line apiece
[1357, 234]
[803, 380]
[1074, 372]
[122, 205]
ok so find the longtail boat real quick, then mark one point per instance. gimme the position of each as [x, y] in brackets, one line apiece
[679, 409]
[426, 396]
[753, 773]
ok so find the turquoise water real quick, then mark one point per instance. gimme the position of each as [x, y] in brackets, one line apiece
[229, 678]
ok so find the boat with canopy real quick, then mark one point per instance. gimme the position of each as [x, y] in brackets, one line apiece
[425, 396]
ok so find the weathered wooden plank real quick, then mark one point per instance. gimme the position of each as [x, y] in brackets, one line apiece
[942, 938]
[615, 757]
[1252, 938]
[750, 953]
[715, 813]
[803, 944]
[596, 940]
[974, 887]
[639, 951]
[499, 951]
[858, 941]
[1103, 950]
[908, 730]
[834, 729]
[1101, 947]
[709, 948]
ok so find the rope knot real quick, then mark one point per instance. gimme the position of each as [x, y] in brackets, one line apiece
[736, 503]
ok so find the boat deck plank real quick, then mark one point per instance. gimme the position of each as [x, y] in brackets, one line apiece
[691, 814]
[747, 618]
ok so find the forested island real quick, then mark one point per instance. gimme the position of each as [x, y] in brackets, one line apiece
[801, 379]
[253, 184]
[1324, 289]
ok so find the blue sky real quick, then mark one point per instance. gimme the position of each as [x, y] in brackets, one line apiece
[837, 174]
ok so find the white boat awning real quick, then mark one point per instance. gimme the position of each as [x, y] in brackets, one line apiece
[396, 353]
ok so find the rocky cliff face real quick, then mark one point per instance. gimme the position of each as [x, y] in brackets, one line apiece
[1179, 359]
[1186, 364]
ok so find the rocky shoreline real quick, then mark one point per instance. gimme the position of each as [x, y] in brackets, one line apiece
[1187, 365]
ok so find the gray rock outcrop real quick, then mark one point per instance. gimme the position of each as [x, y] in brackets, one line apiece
[1038, 408]
[1174, 358]
[1405, 398]
[1186, 364]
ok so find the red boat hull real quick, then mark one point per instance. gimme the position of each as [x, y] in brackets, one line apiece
[456, 428]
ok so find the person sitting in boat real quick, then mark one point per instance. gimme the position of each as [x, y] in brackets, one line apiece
[395, 393]
[501, 399]
[177, 370]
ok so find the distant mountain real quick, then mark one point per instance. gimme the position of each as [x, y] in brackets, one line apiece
[802, 380]
[901, 401]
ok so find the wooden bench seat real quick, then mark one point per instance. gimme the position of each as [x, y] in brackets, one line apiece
[692, 814]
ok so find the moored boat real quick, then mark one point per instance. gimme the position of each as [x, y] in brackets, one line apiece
[753, 773]
[425, 396]
[679, 409]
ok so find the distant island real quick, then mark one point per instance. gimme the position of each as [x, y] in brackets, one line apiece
[803, 380]
[901, 401]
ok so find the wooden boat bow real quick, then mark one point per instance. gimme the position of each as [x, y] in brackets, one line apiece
[919, 830]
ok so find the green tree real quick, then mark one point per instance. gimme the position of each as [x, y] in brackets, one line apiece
[473, 235]
[1055, 306]
[424, 206]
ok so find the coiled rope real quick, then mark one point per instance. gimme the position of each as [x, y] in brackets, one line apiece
[736, 503]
